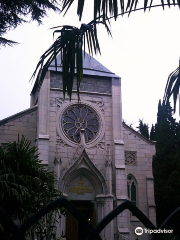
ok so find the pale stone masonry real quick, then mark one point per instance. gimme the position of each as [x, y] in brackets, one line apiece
[99, 161]
[24, 123]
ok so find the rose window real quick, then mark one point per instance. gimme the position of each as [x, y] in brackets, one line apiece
[79, 117]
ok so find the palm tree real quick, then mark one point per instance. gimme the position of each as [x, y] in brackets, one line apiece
[70, 45]
[25, 185]
[72, 41]
[172, 87]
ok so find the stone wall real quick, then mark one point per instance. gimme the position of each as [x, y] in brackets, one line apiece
[24, 123]
[63, 153]
[88, 84]
[114, 153]
[59, 145]
[138, 159]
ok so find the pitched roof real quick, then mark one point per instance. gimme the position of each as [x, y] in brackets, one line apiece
[18, 115]
[138, 134]
[90, 67]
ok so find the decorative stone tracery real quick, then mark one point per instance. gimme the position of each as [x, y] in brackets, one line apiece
[99, 104]
[130, 158]
[77, 117]
[84, 115]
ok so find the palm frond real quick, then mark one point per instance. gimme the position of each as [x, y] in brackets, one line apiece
[173, 86]
[113, 8]
[23, 179]
[70, 45]
[5, 42]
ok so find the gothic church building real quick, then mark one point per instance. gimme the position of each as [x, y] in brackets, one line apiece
[99, 161]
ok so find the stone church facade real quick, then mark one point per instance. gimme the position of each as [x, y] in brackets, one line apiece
[99, 161]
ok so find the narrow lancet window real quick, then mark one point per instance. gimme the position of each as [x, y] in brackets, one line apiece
[132, 189]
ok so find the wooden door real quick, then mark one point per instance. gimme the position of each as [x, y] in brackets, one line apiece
[71, 227]
[75, 230]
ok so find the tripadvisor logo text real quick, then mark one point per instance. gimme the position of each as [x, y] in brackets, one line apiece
[140, 231]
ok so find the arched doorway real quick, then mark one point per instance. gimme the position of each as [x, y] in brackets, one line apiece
[74, 229]
[82, 183]
[81, 193]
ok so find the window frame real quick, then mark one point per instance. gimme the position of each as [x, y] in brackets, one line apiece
[131, 180]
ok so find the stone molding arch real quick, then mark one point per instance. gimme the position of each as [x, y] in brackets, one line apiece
[132, 180]
[84, 166]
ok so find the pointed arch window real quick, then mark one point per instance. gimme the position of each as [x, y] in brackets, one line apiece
[132, 189]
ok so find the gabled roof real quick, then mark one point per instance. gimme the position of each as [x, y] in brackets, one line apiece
[18, 115]
[90, 67]
[138, 134]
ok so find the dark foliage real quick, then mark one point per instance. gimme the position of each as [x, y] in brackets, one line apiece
[14, 13]
[166, 165]
[165, 130]
[113, 8]
[70, 45]
[5, 42]
[172, 87]
[152, 133]
[143, 128]
[25, 185]
[103, 11]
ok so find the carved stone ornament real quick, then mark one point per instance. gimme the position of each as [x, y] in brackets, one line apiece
[99, 104]
[130, 158]
[60, 101]
[108, 157]
[60, 141]
[101, 146]
[57, 161]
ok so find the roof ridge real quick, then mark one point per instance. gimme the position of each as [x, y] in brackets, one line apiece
[16, 115]
[89, 63]
[139, 135]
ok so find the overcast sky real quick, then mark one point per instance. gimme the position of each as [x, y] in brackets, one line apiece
[144, 50]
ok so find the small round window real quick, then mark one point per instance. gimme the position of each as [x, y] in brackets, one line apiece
[78, 117]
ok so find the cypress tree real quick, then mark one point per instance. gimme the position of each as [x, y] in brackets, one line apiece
[143, 128]
[165, 130]
[152, 133]
[166, 165]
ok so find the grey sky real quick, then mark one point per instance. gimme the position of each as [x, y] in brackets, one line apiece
[144, 50]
